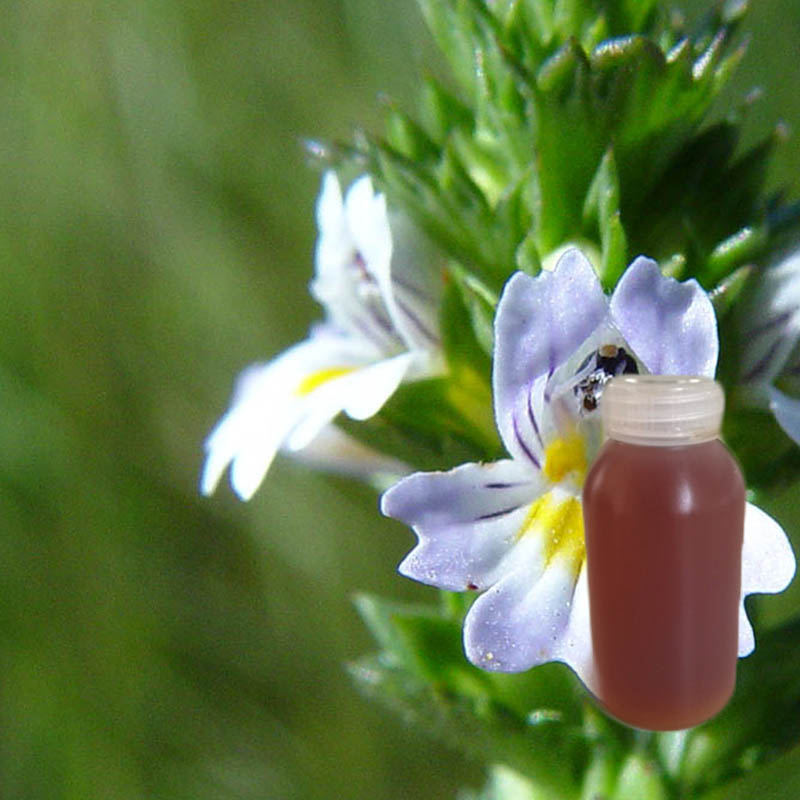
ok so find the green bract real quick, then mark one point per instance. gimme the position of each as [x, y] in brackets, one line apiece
[572, 126]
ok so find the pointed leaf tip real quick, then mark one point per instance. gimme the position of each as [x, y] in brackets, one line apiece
[733, 11]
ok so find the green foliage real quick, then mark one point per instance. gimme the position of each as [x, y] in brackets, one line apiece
[769, 458]
[572, 121]
[530, 723]
[434, 423]
[761, 721]
[541, 724]
[601, 212]
[578, 121]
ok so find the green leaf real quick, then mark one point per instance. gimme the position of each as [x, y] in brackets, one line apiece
[547, 755]
[428, 643]
[674, 266]
[779, 780]
[762, 719]
[409, 138]
[423, 642]
[639, 779]
[615, 251]
[746, 244]
[733, 11]
[485, 162]
[464, 339]
[527, 257]
[687, 198]
[557, 74]
[452, 29]
[461, 346]
[539, 15]
[446, 203]
[513, 213]
[378, 615]
[479, 302]
[594, 32]
[441, 112]
[506, 784]
[671, 748]
[601, 216]
[569, 16]
[729, 289]
[602, 199]
[530, 721]
[434, 424]
[600, 775]
[649, 102]
[637, 13]
[768, 456]
[569, 147]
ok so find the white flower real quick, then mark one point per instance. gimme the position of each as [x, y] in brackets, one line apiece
[513, 530]
[380, 329]
[769, 326]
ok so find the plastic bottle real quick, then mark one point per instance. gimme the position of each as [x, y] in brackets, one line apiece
[663, 510]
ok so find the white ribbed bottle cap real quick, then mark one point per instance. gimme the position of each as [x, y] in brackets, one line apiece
[662, 409]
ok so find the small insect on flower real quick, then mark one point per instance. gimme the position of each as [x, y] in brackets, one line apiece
[606, 363]
[514, 529]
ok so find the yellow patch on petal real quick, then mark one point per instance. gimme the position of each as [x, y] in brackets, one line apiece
[316, 379]
[564, 455]
[558, 518]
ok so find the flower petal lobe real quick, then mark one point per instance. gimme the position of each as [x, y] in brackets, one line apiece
[787, 411]
[467, 521]
[671, 326]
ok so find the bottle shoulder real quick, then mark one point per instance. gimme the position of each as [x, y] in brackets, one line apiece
[708, 469]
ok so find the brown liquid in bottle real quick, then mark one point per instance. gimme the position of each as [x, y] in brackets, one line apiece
[664, 528]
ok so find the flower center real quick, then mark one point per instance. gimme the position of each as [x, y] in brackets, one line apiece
[598, 369]
[563, 456]
[316, 379]
[558, 518]
[359, 264]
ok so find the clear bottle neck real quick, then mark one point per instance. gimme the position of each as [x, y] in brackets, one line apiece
[662, 410]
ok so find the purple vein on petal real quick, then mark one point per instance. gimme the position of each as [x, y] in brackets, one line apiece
[410, 287]
[523, 444]
[532, 417]
[548, 389]
[495, 514]
[761, 364]
[775, 322]
[377, 335]
[419, 324]
[503, 485]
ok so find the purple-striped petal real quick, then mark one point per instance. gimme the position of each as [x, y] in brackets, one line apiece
[539, 323]
[466, 520]
[769, 321]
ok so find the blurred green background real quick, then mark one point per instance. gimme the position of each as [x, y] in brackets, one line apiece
[156, 236]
